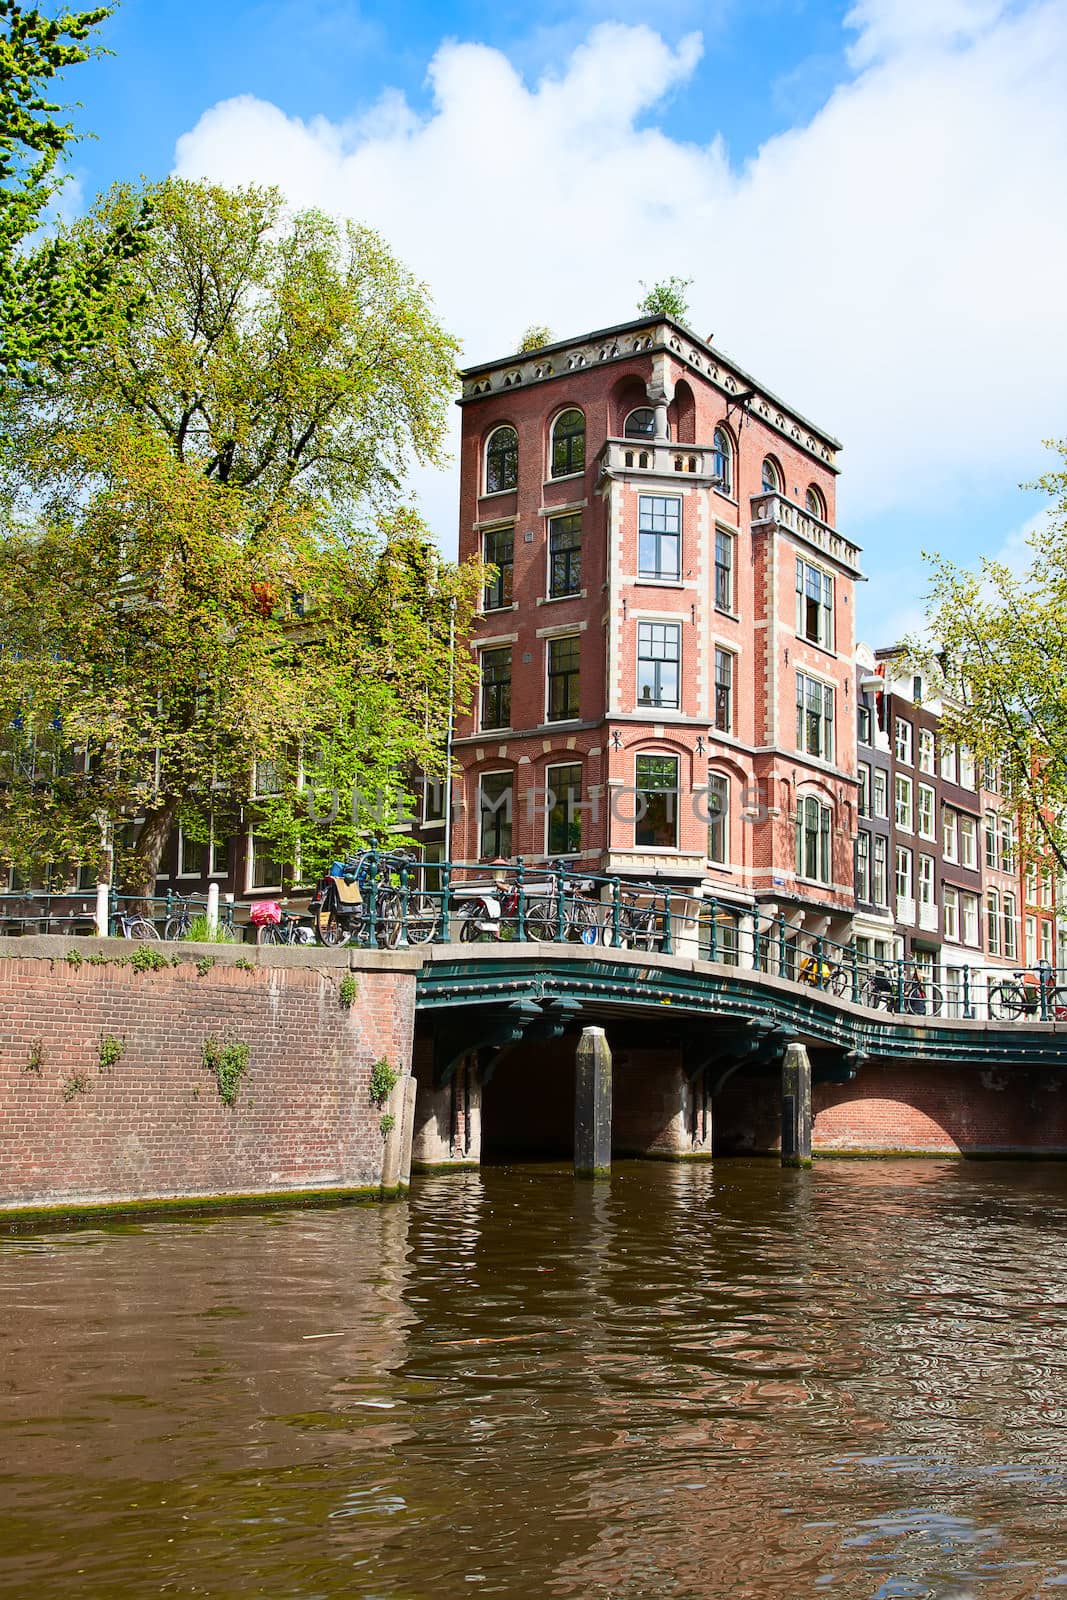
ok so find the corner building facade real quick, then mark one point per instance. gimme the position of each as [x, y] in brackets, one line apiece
[666, 647]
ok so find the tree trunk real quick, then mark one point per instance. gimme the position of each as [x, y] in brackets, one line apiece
[139, 880]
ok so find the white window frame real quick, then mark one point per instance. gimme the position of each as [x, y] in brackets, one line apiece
[927, 761]
[992, 921]
[902, 740]
[926, 812]
[880, 793]
[824, 631]
[903, 803]
[969, 906]
[968, 841]
[950, 901]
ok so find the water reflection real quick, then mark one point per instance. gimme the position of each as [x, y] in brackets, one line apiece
[729, 1380]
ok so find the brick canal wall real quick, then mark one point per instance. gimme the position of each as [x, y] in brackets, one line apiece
[80, 1124]
[909, 1107]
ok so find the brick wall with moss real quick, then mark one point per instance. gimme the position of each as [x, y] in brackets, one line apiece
[218, 1074]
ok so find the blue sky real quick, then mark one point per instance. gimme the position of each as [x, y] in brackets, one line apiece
[861, 199]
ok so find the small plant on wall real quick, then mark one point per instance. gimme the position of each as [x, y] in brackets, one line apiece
[383, 1080]
[77, 1083]
[228, 1060]
[348, 990]
[110, 1051]
[36, 1057]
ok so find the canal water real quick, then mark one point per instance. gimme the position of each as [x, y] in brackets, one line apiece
[716, 1381]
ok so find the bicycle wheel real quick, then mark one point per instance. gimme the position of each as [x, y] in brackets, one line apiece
[935, 999]
[541, 921]
[876, 995]
[1006, 1002]
[387, 927]
[470, 913]
[270, 933]
[177, 926]
[1056, 1005]
[840, 981]
[421, 918]
[583, 924]
[328, 929]
[141, 928]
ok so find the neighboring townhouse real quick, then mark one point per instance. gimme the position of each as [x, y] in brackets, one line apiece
[666, 640]
[874, 922]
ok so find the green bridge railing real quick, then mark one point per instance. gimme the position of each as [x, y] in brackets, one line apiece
[391, 900]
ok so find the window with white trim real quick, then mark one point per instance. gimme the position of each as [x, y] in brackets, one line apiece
[926, 751]
[863, 801]
[948, 761]
[718, 817]
[880, 792]
[568, 444]
[903, 877]
[659, 651]
[659, 537]
[926, 880]
[495, 799]
[969, 907]
[814, 604]
[880, 871]
[501, 460]
[563, 822]
[1030, 955]
[949, 834]
[815, 717]
[950, 899]
[724, 691]
[902, 803]
[966, 767]
[968, 842]
[863, 866]
[992, 922]
[813, 852]
[1011, 929]
[992, 839]
[927, 813]
[902, 736]
[264, 872]
[724, 570]
[656, 816]
[724, 460]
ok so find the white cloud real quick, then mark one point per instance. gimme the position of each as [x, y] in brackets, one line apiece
[894, 267]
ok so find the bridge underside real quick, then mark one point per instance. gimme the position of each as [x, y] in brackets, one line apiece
[697, 1055]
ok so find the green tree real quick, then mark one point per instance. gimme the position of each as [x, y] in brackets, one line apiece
[668, 298]
[51, 294]
[213, 578]
[1003, 643]
[536, 336]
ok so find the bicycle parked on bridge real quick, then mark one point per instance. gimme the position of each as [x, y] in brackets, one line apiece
[273, 925]
[1031, 994]
[916, 994]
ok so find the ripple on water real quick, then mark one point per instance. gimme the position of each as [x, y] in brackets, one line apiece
[727, 1381]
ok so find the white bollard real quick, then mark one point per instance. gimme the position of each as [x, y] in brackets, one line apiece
[103, 896]
[212, 908]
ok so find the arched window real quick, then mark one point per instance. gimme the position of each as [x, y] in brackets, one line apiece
[815, 503]
[814, 821]
[724, 460]
[568, 444]
[718, 817]
[641, 424]
[772, 476]
[501, 460]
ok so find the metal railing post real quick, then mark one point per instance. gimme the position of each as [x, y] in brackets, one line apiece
[819, 947]
[781, 945]
[855, 974]
[372, 902]
[560, 904]
[968, 1009]
[520, 905]
[446, 902]
[900, 983]
[713, 931]
[616, 913]
[405, 896]
[668, 942]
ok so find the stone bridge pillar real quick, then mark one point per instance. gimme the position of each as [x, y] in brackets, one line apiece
[592, 1106]
[796, 1107]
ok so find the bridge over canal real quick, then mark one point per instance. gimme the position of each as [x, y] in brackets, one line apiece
[698, 1051]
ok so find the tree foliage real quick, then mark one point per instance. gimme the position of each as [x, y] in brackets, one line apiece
[51, 293]
[1003, 641]
[667, 298]
[213, 578]
[536, 336]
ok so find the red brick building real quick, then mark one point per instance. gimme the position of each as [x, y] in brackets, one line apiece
[666, 648]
